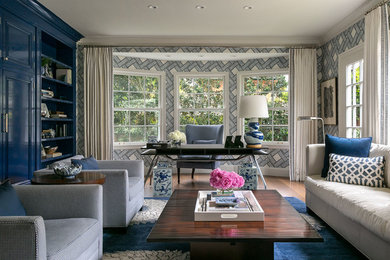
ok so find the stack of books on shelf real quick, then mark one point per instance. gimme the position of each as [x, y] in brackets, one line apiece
[58, 114]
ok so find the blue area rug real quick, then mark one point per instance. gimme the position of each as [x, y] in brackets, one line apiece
[133, 245]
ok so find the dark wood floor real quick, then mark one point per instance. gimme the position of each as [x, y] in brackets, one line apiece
[201, 181]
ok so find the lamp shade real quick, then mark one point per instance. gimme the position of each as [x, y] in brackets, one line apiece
[253, 107]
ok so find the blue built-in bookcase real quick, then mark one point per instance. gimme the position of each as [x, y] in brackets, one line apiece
[37, 54]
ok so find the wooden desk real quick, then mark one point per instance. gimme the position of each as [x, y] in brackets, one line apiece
[232, 240]
[81, 178]
[201, 149]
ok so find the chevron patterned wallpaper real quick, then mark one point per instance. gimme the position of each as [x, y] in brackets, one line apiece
[277, 158]
[328, 57]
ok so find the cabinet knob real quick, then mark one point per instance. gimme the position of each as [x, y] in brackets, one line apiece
[5, 58]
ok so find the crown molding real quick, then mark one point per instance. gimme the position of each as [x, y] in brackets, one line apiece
[203, 41]
[348, 21]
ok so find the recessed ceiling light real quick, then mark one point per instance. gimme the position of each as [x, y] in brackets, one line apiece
[152, 6]
[200, 7]
[247, 7]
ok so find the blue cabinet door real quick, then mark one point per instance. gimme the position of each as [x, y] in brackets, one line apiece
[18, 126]
[19, 43]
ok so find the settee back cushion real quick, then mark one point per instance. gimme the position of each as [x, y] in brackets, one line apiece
[366, 171]
[382, 150]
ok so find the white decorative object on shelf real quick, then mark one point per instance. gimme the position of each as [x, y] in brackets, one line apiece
[162, 180]
[249, 173]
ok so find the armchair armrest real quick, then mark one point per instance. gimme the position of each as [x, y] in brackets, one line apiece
[62, 201]
[22, 238]
[135, 168]
[314, 158]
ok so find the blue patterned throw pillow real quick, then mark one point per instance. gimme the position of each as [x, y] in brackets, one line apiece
[367, 171]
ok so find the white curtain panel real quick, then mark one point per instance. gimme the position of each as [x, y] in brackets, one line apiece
[98, 102]
[376, 76]
[303, 102]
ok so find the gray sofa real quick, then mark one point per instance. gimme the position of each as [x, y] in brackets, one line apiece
[361, 214]
[63, 222]
[123, 190]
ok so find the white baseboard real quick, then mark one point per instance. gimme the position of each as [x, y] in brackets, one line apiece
[267, 171]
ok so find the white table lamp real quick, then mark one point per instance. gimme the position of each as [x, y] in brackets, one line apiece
[253, 107]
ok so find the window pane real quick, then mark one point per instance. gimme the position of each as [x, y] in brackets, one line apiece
[216, 100]
[356, 72]
[201, 118]
[121, 82]
[216, 118]
[185, 86]
[281, 133]
[121, 118]
[358, 116]
[137, 117]
[136, 83]
[151, 131]
[182, 128]
[151, 117]
[186, 101]
[200, 85]
[250, 85]
[281, 99]
[267, 131]
[357, 133]
[349, 114]
[121, 99]
[216, 85]
[357, 94]
[137, 134]
[269, 100]
[281, 83]
[349, 75]
[280, 117]
[151, 84]
[266, 121]
[201, 101]
[121, 134]
[349, 133]
[349, 95]
[265, 83]
[137, 100]
[186, 118]
[151, 100]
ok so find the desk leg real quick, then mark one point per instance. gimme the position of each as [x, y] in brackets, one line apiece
[152, 164]
[259, 171]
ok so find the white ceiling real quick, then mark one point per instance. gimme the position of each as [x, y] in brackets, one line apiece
[176, 56]
[268, 19]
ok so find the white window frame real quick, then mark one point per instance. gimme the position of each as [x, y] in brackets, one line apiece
[350, 56]
[226, 92]
[162, 109]
[240, 86]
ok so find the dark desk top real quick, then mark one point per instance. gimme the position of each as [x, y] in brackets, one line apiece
[201, 149]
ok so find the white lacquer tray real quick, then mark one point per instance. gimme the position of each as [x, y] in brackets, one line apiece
[206, 211]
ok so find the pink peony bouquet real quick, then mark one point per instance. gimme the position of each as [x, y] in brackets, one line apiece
[224, 180]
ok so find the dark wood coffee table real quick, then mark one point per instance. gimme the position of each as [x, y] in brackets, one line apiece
[232, 240]
[81, 178]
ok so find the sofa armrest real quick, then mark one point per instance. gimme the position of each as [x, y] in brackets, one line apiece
[62, 201]
[314, 159]
[135, 168]
[22, 238]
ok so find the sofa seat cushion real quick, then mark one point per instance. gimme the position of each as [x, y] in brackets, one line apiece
[136, 186]
[366, 205]
[69, 238]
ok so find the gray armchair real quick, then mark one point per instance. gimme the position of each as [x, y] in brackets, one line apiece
[63, 222]
[201, 134]
[123, 190]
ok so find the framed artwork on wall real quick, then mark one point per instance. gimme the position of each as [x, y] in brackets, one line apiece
[329, 101]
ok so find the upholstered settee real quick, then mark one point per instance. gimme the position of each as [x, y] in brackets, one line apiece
[361, 214]
[123, 190]
[62, 222]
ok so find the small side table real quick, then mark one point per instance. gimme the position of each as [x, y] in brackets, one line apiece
[81, 178]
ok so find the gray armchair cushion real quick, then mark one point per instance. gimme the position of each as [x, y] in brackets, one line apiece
[70, 237]
[136, 186]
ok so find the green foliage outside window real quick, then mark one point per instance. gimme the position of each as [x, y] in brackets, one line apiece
[275, 88]
[136, 108]
[201, 101]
